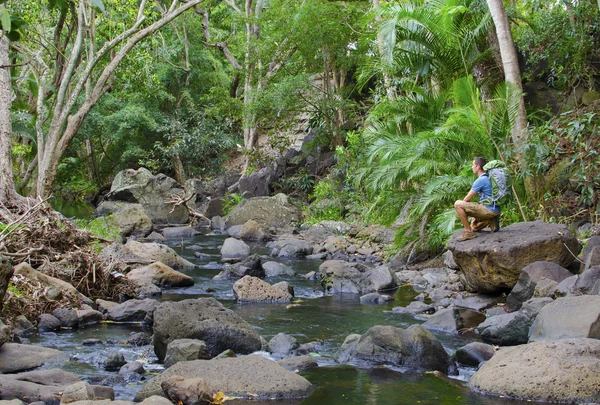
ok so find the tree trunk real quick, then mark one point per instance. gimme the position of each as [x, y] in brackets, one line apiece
[387, 80]
[179, 170]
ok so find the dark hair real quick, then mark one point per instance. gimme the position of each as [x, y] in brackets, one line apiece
[479, 161]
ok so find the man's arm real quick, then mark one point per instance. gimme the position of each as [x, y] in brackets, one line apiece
[469, 196]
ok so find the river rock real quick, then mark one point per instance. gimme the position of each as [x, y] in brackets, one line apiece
[159, 253]
[454, 320]
[179, 232]
[133, 221]
[152, 192]
[80, 391]
[43, 385]
[25, 270]
[187, 391]
[160, 275]
[251, 230]
[23, 327]
[512, 328]
[586, 283]
[185, 350]
[47, 323]
[103, 305]
[253, 289]
[67, 317]
[415, 348]
[298, 363]
[270, 212]
[283, 345]
[133, 311]
[118, 253]
[285, 286]
[530, 276]
[4, 333]
[549, 371]
[568, 317]
[492, 262]
[132, 371]
[590, 256]
[415, 308]
[238, 377]
[6, 272]
[114, 361]
[290, 247]
[88, 317]
[16, 357]
[205, 319]
[474, 353]
[274, 269]
[234, 249]
[339, 277]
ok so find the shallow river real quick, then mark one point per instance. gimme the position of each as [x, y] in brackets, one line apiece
[313, 317]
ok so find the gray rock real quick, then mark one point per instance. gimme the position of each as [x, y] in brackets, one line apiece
[449, 260]
[415, 308]
[376, 298]
[274, 269]
[270, 212]
[188, 391]
[285, 286]
[179, 232]
[492, 262]
[67, 317]
[185, 350]
[154, 237]
[586, 283]
[218, 223]
[530, 276]
[155, 400]
[139, 339]
[47, 323]
[205, 319]
[290, 247]
[568, 317]
[454, 320]
[344, 353]
[251, 230]
[88, 317]
[257, 184]
[43, 385]
[414, 348]
[524, 372]
[80, 391]
[133, 221]
[114, 361]
[16, 357]
[237, 377]
[160, 275]
[253, 289]
[512, 328]
[474, 353]
[338, 277]
[132, 311]
[283, 344]
[6, 272]
[132, 371]
[158, 253]
[235, 249]
[298, 363]
[5, 333]
[118, 253]
[477, 302]
[23, 327]
[590, 256]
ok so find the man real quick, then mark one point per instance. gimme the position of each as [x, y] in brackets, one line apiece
[483, 215]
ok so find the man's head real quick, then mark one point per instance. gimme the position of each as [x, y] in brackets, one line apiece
[478, 164]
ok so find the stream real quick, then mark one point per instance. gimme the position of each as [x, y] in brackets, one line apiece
[313, 317]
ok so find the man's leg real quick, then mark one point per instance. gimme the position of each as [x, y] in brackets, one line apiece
[459, 206]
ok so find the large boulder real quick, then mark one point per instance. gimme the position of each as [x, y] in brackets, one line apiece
[152, 192]
[204, 319]
[454, 320]
[551, 371]
[568, 317]
[247, 377]
[253, 289]
[512, 328]
[257, 184]
[158, 253]
[492, 262]
[414, 348]
[6, 272]
[66, 289]
[270, 212]
[290, 247]
[591, 254]
[43, 385]
[160, 275]
[338, 276]
[234, 249]
[529, 278]
[15, 357]
[133, 221]
[4, 333]
[133, 311]
[474, 353]
[185, 350]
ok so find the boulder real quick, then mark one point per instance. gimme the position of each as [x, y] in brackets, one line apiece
[15, 357]
[132, 371]
[47, 323]
[568, 317]
[298, 363]
[118, 253]
[590, 256]
[586, 283]
[251, 230]
[114, 361]
[6, 272]
[454, 320]
[22, 326]
[179, 232]
[205, 319]
[270, 212]
[158, 253]
[492, 262]
[474, 353]
[257, 184]
[290, 247]
[512, 328]
[133, 221]
[88, 317]
[5, 334]
[25, 270]
[285, 286]
[415, 349]
[529, 278]
[247, 377]
[187, 391]
[415, 308]
[549, 371]
[43, 385]
[185, 350]
[80, 391]
[67, 317]
[253, 289]
[274, 269]
[152, 192]
[234, 249]
[283, 345]
[338, 276]
[133, 311]
[160, 275]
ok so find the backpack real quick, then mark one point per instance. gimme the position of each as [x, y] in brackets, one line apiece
[501, 183]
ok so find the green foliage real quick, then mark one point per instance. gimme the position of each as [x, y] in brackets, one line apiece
[16, 290]
[230, 201]
[106, 227]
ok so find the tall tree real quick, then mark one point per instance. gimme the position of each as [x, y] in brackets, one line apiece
[7, 185]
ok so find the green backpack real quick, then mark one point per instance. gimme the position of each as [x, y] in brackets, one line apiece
[501, 183]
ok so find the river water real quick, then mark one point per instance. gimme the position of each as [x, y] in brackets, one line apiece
[312, 317]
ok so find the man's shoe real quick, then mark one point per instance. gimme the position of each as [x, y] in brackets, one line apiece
[466, 235]
[495, 224]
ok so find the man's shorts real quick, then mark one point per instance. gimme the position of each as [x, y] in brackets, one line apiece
[479, 211]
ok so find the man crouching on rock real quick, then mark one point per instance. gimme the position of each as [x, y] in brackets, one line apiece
[483, 215]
